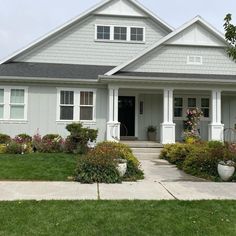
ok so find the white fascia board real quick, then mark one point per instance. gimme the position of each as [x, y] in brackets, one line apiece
[47, 80]
[168, 37]
[164, 79]
[57, 30]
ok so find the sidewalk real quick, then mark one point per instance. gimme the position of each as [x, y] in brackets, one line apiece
[144, 190]
[162, 182]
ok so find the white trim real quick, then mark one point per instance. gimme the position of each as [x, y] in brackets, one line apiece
[80, 17]
[7, 104]
[166, 38]
[76, 114]
[128, 34]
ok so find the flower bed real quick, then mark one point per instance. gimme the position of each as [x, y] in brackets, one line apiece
[201, 158]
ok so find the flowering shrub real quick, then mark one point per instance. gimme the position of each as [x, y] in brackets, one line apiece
[191, 133]
[51, 143]
[99, 165]
[23, 138]
[15, 147]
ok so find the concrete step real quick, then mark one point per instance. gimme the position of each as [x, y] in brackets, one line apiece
[142, 144]
[147, 156]
[146, 150]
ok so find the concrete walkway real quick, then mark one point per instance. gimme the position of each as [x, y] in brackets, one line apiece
[162, 182]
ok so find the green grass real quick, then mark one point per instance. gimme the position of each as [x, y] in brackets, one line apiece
[38, 166]
[90, 218]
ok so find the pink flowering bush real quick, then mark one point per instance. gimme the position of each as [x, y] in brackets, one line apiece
[191, 133]
[51, 143]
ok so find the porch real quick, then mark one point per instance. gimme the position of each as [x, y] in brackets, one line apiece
[131, 111]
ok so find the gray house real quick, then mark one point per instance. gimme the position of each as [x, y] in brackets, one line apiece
[120, 68]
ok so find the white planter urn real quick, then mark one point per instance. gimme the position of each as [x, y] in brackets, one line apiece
[226, 170]
[122, 167]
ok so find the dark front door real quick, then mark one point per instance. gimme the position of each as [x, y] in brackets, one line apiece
[127, 116]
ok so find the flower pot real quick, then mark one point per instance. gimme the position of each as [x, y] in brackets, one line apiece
[225, 171]
[122, 167]
[152, 136]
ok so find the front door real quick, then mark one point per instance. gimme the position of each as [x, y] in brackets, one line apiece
[127, 116]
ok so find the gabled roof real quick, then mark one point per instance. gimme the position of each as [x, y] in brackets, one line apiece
[51, 70]
[197, 19]
[81, 17]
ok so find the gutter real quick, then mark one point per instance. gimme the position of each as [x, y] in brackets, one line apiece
[162, 79]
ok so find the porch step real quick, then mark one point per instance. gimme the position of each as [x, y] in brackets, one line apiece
[147, 156]
[142, 144]
[147, 150]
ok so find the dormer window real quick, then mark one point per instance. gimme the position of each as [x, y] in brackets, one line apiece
[122, 34]
[103, 32]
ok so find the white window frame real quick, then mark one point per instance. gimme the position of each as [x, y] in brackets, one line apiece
[128, 38]
[195, 62]
[178, 107]
[7, 104]
[77, 105]
[198, 104]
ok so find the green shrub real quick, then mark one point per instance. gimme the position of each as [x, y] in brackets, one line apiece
[18, 148]
[51, 137]
[201, 162]
[215, 144]
[97, 167]
[122, 151]
[79, 137]
[176, 153]
[4, 138]
[3, 148]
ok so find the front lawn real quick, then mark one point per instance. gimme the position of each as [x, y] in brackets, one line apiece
[37, 166]
[118, 218]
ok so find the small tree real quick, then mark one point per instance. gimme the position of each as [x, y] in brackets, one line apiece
[230, 36]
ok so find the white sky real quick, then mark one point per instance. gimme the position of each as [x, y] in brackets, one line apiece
[22, 21]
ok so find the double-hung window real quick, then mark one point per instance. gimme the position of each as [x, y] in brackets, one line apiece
[13, 103]
[86, 105]
[178, 107]
[66, 105]
[192, 103]
[76, 105]
[17, 104]
[205, 107]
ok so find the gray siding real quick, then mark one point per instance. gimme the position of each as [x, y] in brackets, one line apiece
[173, 59]
[77, 45]
[42, 108]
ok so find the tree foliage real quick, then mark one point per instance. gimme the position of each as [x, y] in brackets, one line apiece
[230, 36]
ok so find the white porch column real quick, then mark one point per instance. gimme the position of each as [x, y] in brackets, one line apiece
[216, 128]
[168, 127]
[113, 126]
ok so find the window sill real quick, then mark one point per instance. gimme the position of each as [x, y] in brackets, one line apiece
[119, 41]
[13, 121]
[66, 122]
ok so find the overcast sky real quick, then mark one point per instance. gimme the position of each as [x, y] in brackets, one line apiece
[22, 21]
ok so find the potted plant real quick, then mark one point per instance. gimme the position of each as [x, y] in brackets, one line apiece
[151, 133]
[226, 170]
[121, 166]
